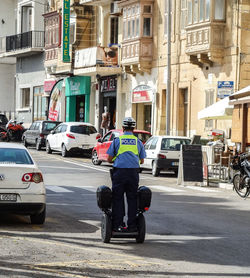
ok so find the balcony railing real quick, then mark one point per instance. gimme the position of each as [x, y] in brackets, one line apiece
[31, 39]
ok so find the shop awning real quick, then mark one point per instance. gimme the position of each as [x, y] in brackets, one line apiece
[220, 110]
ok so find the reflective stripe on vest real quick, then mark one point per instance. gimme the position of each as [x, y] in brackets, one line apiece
[128, 143]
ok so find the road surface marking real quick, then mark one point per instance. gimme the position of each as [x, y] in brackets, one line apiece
[57, 189]
[165, 188]
[204, 189]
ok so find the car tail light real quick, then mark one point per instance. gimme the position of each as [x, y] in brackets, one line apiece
[41, 135]
[70, 136]
[98, 136]
[161, 156]
[32, 177]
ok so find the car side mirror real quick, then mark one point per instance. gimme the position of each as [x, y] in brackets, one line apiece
[52, 132]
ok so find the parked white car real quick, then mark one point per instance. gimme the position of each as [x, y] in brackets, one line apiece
[163, 153]
[71, 137]
[22, 189]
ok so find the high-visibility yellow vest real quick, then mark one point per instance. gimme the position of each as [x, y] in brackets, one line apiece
[128, 143]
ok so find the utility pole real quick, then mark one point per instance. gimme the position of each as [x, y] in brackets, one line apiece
[168, 92]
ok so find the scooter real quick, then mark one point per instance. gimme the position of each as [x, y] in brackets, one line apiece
[104, 202]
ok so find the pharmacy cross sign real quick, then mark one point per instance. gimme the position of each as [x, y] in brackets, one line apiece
[66, 29]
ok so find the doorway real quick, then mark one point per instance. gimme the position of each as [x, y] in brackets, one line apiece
[183, 112]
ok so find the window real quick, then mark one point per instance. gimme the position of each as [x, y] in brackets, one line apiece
[183, 15]
[48, 126]
[16, 156]
[52, 31]
[195, 11]
[219, 10]
[107, 137]
[25, 97]
[173, 144]
[39, 104]
[153, 144]
[209, 101]
[146, 26]
[83, 129]
[114, 30]
[147, 145]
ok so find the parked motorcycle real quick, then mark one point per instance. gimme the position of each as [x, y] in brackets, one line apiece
[241, 179]
[13, 131]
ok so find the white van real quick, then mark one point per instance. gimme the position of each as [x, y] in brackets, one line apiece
[163, 153]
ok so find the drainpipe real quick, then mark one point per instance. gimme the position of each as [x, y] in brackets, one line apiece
[168, 92]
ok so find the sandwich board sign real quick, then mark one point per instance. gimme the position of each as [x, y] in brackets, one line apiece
[190, 165]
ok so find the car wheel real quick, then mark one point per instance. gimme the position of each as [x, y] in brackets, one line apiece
[48, 149]
[38, 145]
[38, 218]
[95, 159]
[65, 153]
[155, 169]
[25, 142]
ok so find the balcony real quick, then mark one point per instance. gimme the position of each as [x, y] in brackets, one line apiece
[95, 2]
[23, 44]
[97, 60]
[205, 43]
[137, 55]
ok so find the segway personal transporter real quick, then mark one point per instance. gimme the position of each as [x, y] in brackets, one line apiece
[104, 202]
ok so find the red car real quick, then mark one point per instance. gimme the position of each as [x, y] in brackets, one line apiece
[99, 153]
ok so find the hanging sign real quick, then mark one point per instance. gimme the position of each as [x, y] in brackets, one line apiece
[142, 93]
[225, 88]
[66, 29]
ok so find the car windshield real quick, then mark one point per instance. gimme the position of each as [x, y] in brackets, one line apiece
[173, 143]
[48, 126]
[3, 120]
[142, 136]
[83, 129]
[14, 156]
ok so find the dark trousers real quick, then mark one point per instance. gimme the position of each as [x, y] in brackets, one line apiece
[124, 180]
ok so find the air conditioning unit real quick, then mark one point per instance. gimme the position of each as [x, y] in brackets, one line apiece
[114, 9]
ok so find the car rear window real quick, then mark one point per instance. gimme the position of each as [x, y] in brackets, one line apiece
[83, 129]
[142, 136]
[173, 144]
[14, 156]
[48, 126]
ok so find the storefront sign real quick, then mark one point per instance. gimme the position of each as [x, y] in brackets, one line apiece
[77, 85]
[225, 89]
[48, 85]
[55, 102]
[142, 93]
[108, 84]
[66, 29]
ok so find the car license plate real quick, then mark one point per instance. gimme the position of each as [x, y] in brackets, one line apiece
[85, 147]
[175, 163]
[8, 197]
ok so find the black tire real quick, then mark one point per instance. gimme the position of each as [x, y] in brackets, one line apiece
[155, 170]
[38, 145]
[25, 142]
[48, 149]
[106, 229]
[39, 218]
[95, 159]
[141, 226]
[65, 152]
[240, 186]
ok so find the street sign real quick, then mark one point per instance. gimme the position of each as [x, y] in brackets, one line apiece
[225, 89]
[66, 29]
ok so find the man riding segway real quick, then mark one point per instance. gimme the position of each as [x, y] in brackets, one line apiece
[127, 153]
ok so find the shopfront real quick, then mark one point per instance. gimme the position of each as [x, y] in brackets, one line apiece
[77, 93]
[142, 96]
[108, 89]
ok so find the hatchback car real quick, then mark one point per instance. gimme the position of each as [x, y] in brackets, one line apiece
[163, 153]
[37, 133]
[99, 153]
[22, 189]
[72, 137]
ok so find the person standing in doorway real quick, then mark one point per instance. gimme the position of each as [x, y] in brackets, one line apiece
[105, 121]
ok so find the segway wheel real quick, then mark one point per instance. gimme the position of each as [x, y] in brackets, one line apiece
[106, 229]
[141, 228]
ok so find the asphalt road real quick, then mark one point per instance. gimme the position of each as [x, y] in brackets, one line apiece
[191, 231]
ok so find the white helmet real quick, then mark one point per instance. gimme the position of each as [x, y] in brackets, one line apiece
[128, 122]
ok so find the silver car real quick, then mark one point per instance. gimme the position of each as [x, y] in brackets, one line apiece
[163, 153]
[22, 189]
